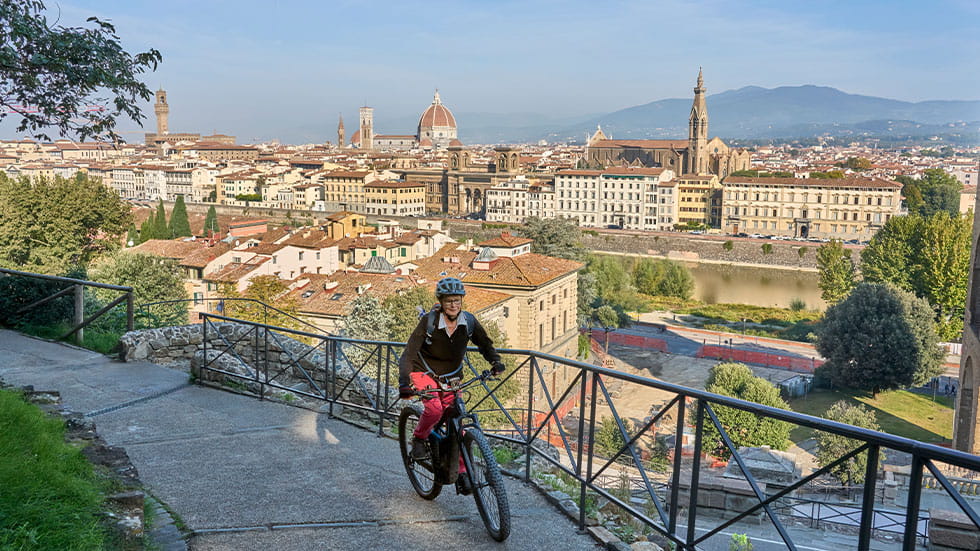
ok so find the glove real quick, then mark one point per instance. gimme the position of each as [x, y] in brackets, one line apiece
[497, 368]
[405, 392]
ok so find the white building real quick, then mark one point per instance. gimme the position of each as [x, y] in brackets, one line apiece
[516, 200]
[622, 197]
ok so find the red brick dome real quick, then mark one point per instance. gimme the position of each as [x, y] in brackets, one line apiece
[437, 115]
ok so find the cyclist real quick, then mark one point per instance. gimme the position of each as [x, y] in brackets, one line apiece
[441, 345]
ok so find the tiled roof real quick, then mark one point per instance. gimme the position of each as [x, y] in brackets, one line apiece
[526, 270]
[849, 182]
[234, 272]
[168, 248]
[645, 144]
[506, 240]
[201, 257]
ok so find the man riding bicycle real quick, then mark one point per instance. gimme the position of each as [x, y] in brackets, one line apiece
[439, 345]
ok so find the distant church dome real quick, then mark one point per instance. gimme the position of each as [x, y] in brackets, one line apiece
[437, 123]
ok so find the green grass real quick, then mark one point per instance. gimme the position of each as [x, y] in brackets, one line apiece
[93, 339]
[899, 412]
[50, 496]
[781, 323]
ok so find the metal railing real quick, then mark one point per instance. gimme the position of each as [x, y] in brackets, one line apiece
[77, 288]
[556, 420]
[147, 308]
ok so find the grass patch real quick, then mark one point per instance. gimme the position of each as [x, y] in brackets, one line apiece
[781, 323]
[104, 342]
[899, 412]
[50, 496]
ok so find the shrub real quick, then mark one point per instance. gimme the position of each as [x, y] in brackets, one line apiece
[728, 245]
[767, 248]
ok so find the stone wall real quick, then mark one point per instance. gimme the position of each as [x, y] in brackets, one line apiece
[296, 369]
[951, 531]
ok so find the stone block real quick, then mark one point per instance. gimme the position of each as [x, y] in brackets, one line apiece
[602, 535]
[645, 546]
[952, 519]
[952, 537]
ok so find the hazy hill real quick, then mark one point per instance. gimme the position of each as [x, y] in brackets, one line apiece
[749, 112]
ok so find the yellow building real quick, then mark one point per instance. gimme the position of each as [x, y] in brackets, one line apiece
[698, 199]
[845, 208]
[395, 198]
[344, 224]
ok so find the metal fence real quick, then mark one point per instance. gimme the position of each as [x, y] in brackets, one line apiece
[556, 418]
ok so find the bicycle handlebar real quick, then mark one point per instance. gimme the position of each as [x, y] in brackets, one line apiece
[430, 392]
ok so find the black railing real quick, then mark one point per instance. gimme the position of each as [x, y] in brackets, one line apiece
[557, 417]
[76, 287]
[147, 308]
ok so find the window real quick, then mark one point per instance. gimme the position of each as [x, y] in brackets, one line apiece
[541, 306]
[301, 255]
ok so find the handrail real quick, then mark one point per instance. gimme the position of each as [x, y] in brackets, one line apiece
[360, 375]
[78, 288]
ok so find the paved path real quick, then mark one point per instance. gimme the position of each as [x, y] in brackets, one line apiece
[247, 474]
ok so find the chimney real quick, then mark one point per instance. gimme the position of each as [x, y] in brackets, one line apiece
[330, 285]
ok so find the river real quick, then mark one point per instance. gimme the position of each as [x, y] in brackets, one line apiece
[740, 284]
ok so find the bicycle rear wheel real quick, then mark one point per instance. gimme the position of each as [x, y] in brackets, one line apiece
[420, 471]
[488, 485]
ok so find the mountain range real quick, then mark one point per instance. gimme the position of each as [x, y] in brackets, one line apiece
[751, 112]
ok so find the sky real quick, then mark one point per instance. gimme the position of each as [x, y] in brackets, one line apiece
[262, 69]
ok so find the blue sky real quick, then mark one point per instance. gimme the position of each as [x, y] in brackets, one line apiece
[251, 68]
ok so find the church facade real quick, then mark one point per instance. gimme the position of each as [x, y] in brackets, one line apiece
[696, 155]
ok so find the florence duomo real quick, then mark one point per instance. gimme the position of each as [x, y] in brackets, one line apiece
[436, 130]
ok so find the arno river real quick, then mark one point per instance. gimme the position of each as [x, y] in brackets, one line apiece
[726, 283]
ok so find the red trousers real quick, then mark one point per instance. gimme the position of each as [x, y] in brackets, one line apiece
[434, 407]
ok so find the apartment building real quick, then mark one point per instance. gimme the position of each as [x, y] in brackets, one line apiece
[621, 197]
[395, 198]
[844, 208]
[698, 200]
[518, 199]
[343, 190]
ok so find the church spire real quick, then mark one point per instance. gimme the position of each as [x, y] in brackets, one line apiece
[340, 131]
[700, 80]
[436, 100]
[697, 136]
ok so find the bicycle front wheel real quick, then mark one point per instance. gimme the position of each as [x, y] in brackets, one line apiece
[488, 485]
[420, 471]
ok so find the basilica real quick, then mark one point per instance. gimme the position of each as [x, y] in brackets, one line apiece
[696, 155]
[436, 130]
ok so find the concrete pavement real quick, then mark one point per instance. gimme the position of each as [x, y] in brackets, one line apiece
[247, 474]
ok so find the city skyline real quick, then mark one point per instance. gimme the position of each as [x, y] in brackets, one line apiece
[258, 70]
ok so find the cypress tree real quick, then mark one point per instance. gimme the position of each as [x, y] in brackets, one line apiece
[210, 222]
[180, 226]
[132, 236]
[146, 230]
[160, 229]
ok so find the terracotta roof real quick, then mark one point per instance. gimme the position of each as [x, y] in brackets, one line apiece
[645, 144]
[168, 248]
[851, 182]
[265, 248]
[623, 170]
[394, 185]
[234, 272]
[202, 257]
[526, 270]
[437, 114]
[506, 240]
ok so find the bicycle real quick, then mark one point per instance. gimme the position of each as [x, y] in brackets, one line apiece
[458, 434]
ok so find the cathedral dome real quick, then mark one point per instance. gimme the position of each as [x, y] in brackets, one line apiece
[437, 115]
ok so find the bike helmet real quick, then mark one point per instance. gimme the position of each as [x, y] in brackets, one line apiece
[449, 286]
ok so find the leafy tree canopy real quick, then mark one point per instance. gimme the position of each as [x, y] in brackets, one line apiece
[50, 74]
[52, 225]
[558, 237]
[152, 278]
[834, 446]
[744, 428]
[934, 192]
[879, 338]
[837, 276]
[269, 290]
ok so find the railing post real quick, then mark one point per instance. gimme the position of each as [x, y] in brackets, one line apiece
[911, 537]
[591, 439]
[331, 377]
[532, 369]
[678, 458]
[692, 512]
[583, 487]
[259, 378]
[377, 392]
[130, 313]
[79, 313]
[868, 502]
[204, 347]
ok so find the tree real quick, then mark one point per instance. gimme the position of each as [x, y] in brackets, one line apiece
[935, 191]
[836, 271]
[558, 237]
[834, 446]
[889, 255]
[879, 338]
[132, 236]
[160, 228]
[268, 290]
[608, 439]
[210, 222]
[403, 309]
[51, 75]
[929, 257]
[943, 269]
[744, 428]
[53, 225]
[180, 226]
[858, 163]
[663, 277]
[152, 278]
[367, 320]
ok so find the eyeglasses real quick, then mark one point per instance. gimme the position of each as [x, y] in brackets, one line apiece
[452, 301]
